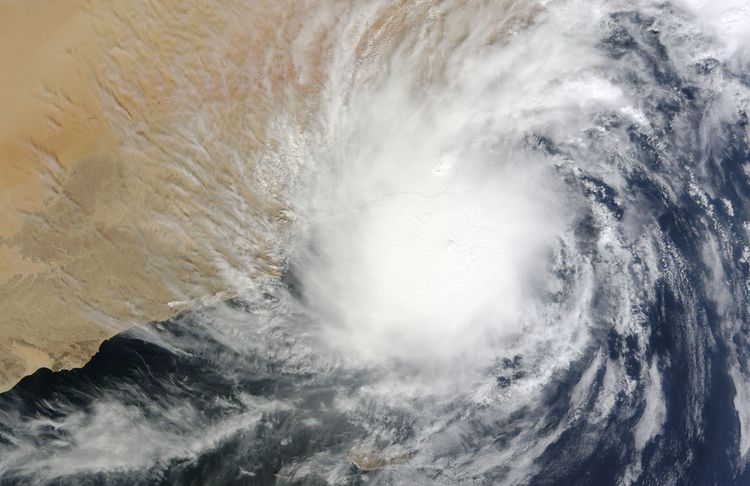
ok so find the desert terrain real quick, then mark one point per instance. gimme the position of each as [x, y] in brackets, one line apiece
[131, 145]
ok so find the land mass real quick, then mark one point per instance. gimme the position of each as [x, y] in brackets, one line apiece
[130, 141]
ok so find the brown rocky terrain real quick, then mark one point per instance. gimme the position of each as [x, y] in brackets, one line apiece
[130, 140]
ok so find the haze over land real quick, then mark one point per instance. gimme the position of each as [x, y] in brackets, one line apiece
[147, 147]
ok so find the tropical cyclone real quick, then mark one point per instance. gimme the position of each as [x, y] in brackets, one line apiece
[126, 128]
[513, 242]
